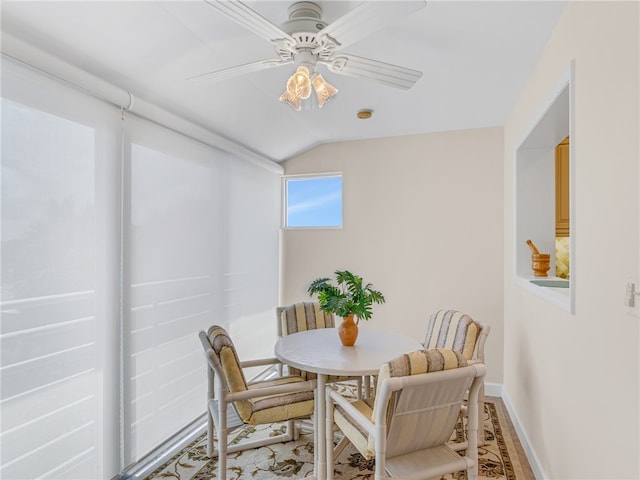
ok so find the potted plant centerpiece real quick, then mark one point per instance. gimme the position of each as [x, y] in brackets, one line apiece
[349, 297]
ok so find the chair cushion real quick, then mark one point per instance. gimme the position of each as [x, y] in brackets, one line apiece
[453, 330]
[422, 361]
[226, 352]
[278, 408]
[304, 316]
[413, 363]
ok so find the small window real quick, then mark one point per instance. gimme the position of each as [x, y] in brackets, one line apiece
[313, 201]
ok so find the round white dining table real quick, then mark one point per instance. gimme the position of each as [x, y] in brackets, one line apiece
[320, 351]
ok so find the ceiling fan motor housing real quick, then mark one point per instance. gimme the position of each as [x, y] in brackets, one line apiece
[305, 10]
[305, 20]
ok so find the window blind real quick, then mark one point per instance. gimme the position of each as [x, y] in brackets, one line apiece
[118, 235]
[201, 249]
[59, 302]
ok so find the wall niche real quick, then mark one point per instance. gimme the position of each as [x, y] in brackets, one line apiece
[536, 199]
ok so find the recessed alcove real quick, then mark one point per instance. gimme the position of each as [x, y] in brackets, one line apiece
[535, 192]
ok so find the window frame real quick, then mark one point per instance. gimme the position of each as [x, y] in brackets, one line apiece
[310, 176]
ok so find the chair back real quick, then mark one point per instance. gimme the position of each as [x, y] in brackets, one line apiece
[224, 363]
[457, 331]
[419, 399]
[302, 316]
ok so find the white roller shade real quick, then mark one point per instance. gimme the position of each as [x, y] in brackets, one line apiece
[115, 245]
[201, 243]
[59, 326]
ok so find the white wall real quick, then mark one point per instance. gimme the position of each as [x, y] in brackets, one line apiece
[422, 222]
[573, 380]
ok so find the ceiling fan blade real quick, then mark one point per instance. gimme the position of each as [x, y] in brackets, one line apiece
[365, 19]
[386, 73]
[250, 19]
[227, 73]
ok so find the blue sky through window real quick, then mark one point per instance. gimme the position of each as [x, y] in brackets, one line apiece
[314, 202]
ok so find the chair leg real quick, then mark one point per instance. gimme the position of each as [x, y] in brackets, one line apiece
[293, 431]
[481, 436]
[372, 381]
[222, 440]
[211, 392]
[329, 434]
[472, 449]
[210, 435]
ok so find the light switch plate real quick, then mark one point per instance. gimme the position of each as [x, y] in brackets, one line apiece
[632, 296]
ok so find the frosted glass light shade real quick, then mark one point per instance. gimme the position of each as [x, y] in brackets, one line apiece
[298, 88]
[324, 90]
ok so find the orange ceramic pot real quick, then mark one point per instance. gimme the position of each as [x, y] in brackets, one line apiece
[348, 331]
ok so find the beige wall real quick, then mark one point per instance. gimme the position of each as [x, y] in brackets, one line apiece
[573, 379]
[422, 222]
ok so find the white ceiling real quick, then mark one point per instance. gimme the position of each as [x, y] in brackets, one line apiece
[475, 55]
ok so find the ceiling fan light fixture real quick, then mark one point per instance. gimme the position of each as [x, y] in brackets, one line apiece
[324, 90]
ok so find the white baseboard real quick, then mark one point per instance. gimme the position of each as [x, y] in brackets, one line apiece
[493, 389]
[522, 436]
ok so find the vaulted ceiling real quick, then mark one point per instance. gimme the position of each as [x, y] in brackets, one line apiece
[475, 57]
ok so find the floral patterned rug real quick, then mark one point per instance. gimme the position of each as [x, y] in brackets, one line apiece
[294, 460]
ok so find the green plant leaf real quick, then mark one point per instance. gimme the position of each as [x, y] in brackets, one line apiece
[347, 296]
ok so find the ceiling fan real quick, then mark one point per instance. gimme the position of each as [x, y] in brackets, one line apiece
[308, 41]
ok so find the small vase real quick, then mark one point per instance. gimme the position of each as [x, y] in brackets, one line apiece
[348, 331]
